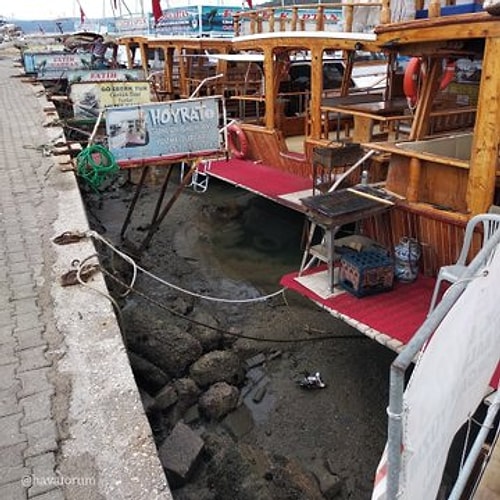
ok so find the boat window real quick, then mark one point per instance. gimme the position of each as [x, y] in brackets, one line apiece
[300, 75]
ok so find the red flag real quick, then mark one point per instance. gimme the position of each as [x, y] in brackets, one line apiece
[250, 4]
[157, 12]
[82, 15]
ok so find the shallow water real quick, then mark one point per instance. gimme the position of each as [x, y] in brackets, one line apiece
[253, 239]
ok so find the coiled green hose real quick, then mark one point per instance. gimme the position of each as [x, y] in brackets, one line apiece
[94, 164]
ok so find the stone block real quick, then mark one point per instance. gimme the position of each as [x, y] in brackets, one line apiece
[179, 454]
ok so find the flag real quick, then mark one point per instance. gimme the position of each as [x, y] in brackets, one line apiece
[250, 4]
[82, 14]
[157, 12]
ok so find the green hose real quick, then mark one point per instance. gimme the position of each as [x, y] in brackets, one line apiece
[94, 164]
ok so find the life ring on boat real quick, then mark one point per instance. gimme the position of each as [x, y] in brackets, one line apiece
[237, 141]
[414, 73]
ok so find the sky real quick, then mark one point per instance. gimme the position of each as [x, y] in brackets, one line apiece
[94, 9]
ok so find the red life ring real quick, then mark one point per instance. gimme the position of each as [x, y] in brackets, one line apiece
[237, 142]
[414, 73]
[411, 79]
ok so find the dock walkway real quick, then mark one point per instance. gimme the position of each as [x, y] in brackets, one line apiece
[72, 424]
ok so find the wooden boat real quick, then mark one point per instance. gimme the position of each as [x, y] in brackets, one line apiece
[436, 163]
[428, 158]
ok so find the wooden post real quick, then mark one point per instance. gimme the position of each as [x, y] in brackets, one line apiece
[271, 20]
[414, 180]
[320, 18]
[385, 12]
[295, 17]
[270, 95]
[168, 71]
[346, 77]
[236, 24]
[259, 23]
[130, 59]
[486, 141]
[144, 56]
[183, 74]
[434, 8]
[429, 89]
[316, 91]
[349, 16]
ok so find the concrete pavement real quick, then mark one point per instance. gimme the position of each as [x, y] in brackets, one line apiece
[71, 421]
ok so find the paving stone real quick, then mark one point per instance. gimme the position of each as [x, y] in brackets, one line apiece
[41, 436]
[34, 381]
[7, 353]
[8, 399]
[12, 464]
[36, 407]
[43, 476]
[13, 491]
[7, 375]
[32, 358]
[5, 318]
[16, 254]
[27, 321]
[11, 431]
[30, 338]
[24, 291]
[51, 495]
[28, 305]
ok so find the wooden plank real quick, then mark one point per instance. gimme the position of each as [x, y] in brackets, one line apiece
[486, 142]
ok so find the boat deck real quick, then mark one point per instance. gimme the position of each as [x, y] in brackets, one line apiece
[391, 317]
[281, 187]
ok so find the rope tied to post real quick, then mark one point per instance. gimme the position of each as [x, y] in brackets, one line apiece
[94, 164]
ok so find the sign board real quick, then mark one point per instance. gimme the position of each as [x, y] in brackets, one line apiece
[90, 98]
[105, 75]
[166, 129]
[132, 25]
[201, 20]
[55, 65]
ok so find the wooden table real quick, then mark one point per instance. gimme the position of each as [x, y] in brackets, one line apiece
[366, 114]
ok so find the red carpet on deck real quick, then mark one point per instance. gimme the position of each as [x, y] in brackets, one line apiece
[258, 178]
[397, 313]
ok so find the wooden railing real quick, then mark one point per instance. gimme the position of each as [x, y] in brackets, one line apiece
[296, 17]
[300, 18]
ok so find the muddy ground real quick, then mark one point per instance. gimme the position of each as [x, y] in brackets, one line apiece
[228, 243]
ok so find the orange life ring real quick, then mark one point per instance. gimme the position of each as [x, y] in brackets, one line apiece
[237, 142]
[411, 79]
[414, 73]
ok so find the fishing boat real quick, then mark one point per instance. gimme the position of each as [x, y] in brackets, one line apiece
[397, 182]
